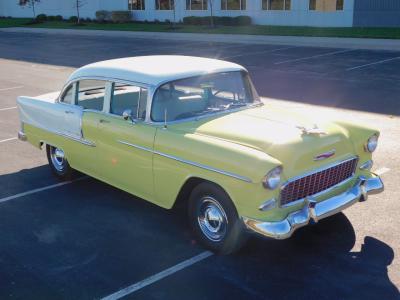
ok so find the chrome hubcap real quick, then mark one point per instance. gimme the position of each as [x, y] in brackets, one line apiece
[57, 158]
[212, 219]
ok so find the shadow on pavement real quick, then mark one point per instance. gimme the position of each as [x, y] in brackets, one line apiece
[318, 262]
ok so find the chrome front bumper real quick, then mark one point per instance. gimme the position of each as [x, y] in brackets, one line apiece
[316, 211]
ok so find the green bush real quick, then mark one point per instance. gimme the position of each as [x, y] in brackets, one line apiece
[73, 19]
[58, 18]
[41, 18]
[242, 21]
[121, 16]
[190, 20]
[103, 16]
[226, 21]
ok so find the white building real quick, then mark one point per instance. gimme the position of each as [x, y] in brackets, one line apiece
[324, 13]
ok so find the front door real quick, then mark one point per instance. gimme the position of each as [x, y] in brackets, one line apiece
[125, 145]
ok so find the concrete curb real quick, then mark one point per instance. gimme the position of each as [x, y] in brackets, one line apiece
[328, 42]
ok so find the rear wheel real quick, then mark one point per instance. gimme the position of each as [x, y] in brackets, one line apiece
[58, 162]
[214, 219]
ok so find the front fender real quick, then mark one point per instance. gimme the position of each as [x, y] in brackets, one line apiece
[236, 168]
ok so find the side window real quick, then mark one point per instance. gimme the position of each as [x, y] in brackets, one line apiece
[91, 94]
[125, 96]
[68, 97]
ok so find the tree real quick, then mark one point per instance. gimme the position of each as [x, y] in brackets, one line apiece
[78, 5]
[29, 3]
[174, 10]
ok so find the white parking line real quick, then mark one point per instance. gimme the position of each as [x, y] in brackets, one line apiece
[11, 88]
[150, 280]
[2, 200]
[374, 63]
[258, 52]
[314, 56]
[8, 108]
[6, 140]
[382, 171]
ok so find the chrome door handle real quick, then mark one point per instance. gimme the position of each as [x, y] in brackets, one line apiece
[104, 121]
[69, 112]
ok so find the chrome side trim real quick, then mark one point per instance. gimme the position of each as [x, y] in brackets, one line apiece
[316, 211]
[136, 146]
[68, 136]
[76, 139]
[188, 162]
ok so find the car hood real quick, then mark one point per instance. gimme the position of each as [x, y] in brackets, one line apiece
[280, 134]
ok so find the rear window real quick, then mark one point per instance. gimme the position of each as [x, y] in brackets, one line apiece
[91, 94]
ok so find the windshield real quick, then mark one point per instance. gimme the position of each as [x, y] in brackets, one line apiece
[200, 95]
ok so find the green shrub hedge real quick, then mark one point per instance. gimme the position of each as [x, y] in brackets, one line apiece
[73, 19]
[41, 18]
[226, 21]
[121, 16]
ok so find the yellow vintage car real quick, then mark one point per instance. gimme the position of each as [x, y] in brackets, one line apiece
[192, 132]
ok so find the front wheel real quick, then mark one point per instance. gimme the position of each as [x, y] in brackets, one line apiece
[58, 162]
[214, 219]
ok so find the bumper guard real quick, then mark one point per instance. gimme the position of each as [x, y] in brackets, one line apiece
[316, 211]
[22, 136]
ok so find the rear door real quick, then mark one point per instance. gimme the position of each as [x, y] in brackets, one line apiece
[125, 146]
[91, 98]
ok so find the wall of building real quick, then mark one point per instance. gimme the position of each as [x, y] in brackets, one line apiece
[298, 15]
[384, 13]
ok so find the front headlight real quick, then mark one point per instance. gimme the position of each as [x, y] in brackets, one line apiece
[372, 143]
[273, 178]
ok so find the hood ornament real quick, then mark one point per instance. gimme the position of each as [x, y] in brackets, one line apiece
[311, 131]
[325, 155]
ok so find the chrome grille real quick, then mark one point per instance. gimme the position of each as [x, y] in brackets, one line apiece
[318, 181]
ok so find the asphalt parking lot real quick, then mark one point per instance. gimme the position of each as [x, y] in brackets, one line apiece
[88, 240]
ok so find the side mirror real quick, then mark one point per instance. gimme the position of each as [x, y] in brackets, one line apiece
[127, 114]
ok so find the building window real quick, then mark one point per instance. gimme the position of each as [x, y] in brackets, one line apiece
[233, 4]
[164, 4]
[136, 4]
[196, 4]
[276, 4]
[326, 5]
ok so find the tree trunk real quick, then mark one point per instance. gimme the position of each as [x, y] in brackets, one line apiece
[77, 11]
[33, 8]
[212, 14]
[174, 21]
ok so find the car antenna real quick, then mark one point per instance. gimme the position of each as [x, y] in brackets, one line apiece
[165, 119]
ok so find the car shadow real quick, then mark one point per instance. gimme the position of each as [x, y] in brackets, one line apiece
[319, 261]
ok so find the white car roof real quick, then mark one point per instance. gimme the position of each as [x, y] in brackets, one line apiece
[156, 69]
